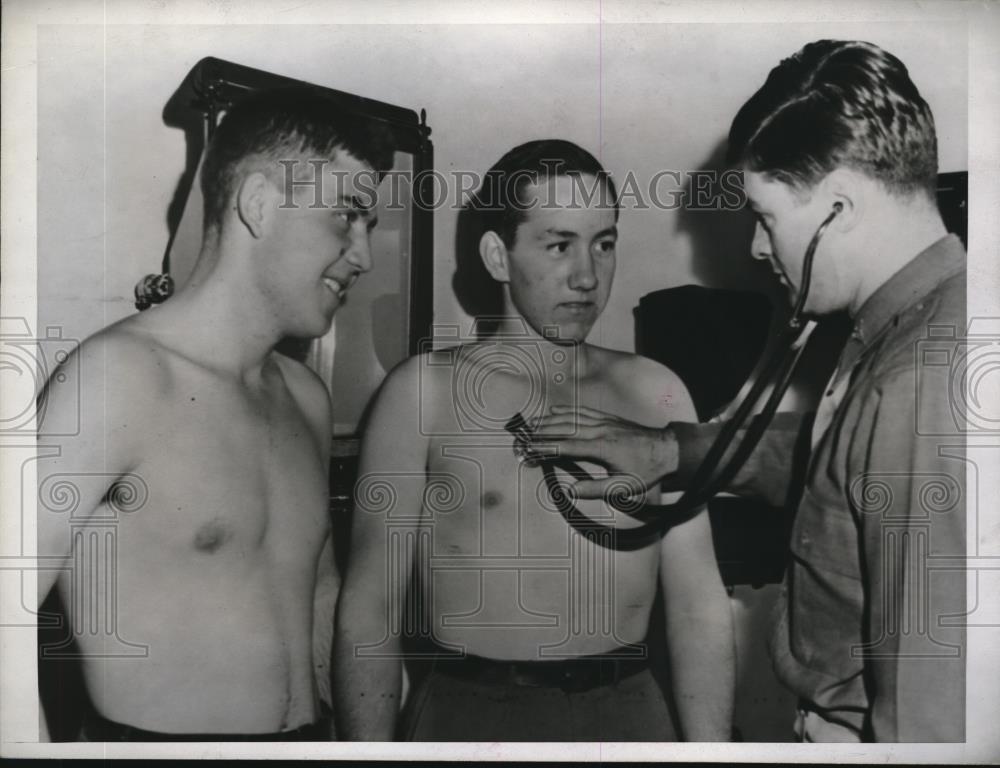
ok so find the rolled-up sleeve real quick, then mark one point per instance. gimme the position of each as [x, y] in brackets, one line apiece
[775, 470]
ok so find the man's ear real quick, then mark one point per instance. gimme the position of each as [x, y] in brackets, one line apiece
[494, 255]
[252, 202]
[850, 189]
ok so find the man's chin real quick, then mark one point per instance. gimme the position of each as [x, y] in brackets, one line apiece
[317, 329]
[326, 328]
[328, 315]
[791, 292]
[570, 340]
[570, 335]
[560, 331]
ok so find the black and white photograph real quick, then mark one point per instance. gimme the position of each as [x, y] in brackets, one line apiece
[586, 381]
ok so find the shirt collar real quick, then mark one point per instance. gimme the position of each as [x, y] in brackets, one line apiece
[915, 280]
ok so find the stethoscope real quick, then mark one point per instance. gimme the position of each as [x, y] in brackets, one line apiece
[709, 479]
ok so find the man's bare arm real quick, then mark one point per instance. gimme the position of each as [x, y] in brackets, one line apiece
[700, 639]
[313, 399]
[324, 605]
[88, 463]
[367, 662]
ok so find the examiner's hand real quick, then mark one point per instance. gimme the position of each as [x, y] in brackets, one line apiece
[634, 455]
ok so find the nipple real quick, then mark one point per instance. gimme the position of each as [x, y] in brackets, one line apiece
[211, 536]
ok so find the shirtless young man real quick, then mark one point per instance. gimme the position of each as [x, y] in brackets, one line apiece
[549, 626]
[222, 443]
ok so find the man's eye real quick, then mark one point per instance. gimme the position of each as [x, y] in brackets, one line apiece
[348, 216]
[559, 247]
[607, 246]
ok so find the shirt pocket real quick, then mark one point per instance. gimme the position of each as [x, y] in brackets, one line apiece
[825, 535]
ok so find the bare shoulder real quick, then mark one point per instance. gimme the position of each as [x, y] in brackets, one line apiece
[653, 392]
[418, 393]
[308, 391]
[423, 374]
[108, 396]
[396, 433]
[124, 360]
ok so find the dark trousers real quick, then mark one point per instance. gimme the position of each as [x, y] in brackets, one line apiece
[447, 708]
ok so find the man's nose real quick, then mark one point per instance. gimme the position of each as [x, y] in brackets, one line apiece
[583, 277]
[760, 248]
[359, 253]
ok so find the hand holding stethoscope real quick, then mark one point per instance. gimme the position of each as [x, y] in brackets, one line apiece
[636, 457]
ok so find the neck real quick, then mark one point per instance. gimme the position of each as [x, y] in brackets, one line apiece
[886, 248]
[574, 361]
[221, 315]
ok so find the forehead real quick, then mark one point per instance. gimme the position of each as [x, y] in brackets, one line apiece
[340, 179]
[579, 204]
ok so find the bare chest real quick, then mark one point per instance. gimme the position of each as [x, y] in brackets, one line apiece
[224, 476]
[506, 505]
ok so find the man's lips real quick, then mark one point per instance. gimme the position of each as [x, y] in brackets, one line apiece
[335, 286]
[577, 306]
[782, 277]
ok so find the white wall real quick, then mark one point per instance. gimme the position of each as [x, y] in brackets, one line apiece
[642, 97]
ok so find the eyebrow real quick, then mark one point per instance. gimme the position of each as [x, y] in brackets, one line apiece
[353, 201]
[356, 202]
[566, 234]
[569, 234]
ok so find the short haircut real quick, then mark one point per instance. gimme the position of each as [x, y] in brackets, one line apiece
[500, 200]
[837, 104]
[279, 124]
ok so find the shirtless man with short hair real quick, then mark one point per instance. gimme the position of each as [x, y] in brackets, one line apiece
[225, 440]
[539, 629]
